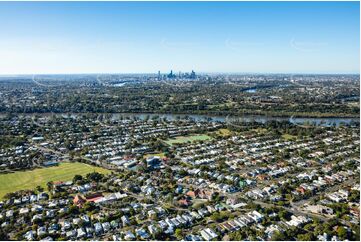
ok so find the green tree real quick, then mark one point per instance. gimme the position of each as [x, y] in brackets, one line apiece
[50, 186]
[178, 234]
[77, 178]
[306, 237]
[94, 176]
[278, 236]
[342, 232]
[39, 189]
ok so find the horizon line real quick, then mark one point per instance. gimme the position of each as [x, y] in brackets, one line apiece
[200, 72]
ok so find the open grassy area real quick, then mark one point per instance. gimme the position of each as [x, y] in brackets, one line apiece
[161, 155]
[260, 130]
[289, 137]
[39, 177]
[224, 132]
[197, 203]
[185, 139]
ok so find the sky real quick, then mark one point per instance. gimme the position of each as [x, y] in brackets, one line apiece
[144, 37]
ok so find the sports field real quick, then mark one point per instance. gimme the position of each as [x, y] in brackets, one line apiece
[184, 139]
[39, 177]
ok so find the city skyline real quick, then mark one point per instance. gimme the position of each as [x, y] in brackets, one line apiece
[213, 37]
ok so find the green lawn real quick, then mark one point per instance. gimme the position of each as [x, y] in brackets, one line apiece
[39, 177]
[224, 132]
[161, 155]
[289, 137]
[184, 139]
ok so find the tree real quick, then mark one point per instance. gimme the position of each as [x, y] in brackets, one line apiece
[77, 178]
[306, 237]
[73, 209]
[356, 235]
[3, 236]
[178, 233]
[278, 236]
[284, 214]
[50, 186]
[354, 196]
[39, 189]
[94, 176]
[342, 232]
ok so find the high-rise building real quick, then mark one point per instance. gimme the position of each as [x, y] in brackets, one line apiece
[193, 75]
[171, 75]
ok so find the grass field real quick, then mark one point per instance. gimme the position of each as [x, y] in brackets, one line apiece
[289, 137]
[39, 177]
[224, 132]
[161, 155]
[185, 139]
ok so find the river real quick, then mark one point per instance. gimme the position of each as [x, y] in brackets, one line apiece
[244, 118]
[198, 117]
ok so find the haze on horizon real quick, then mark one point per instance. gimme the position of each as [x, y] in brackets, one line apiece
[144, 37]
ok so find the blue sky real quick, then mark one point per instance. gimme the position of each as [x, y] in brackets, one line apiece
[135, 37]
